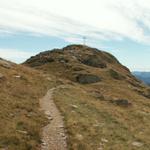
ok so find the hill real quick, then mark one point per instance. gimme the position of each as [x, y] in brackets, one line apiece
[103, 104]
[143, 76]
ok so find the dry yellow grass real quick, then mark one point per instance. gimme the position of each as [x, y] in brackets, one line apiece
[94, 123]
[93, 116]
[20, 117]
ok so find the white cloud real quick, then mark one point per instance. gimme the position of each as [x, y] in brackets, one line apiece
[15, 55]
[71, 19]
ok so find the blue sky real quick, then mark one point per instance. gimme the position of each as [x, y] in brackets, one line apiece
[121, 27]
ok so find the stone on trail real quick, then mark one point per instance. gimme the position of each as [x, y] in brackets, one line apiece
[137, 144]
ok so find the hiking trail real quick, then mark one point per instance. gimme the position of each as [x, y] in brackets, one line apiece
[53, 134]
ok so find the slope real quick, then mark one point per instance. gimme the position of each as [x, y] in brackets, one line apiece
[104, 105]
[20, 117]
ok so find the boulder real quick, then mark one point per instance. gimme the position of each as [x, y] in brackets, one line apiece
[94, 61]
[87, 78]
[122, 102]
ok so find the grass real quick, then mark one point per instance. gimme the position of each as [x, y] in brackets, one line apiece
[92, 120]
[21, 118]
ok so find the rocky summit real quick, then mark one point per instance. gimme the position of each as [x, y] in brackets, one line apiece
[82, 64]
[86, 65]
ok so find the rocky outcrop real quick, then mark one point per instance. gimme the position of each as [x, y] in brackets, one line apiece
[115, 75]
[121, 102]
[94, 61]
[86, 62]
[87, 78]
[77, 53]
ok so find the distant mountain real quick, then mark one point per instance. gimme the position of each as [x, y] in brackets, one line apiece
[144, 76]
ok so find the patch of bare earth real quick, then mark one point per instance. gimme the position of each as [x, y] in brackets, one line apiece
[53, 135]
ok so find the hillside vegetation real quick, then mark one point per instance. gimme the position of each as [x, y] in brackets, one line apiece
[104, 106]
[20, 117]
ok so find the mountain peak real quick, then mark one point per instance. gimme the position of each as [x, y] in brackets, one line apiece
[74, 61]
[81, 53]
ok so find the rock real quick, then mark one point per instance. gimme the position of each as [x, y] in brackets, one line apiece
[74, 106]
[50, 118]
[49, 79]
[122, 102]
[23, 132]
[87, 78]
[48, 114]
[63, 135]
[30, 114]
[40, 59]
[94, 61]
[12, 115]
[79, 137]
[17, 76]
[104, 140]
[137, 144]
[5, 64]
[114, 74]
[62, 59]
[44, 144]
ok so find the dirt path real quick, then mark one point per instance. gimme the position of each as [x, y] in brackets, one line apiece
[53, 135]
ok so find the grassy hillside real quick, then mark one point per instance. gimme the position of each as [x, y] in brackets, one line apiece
[20, 117]
[94, 120]
[104, 105]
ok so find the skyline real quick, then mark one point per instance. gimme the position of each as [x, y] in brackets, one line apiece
[116, 26]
